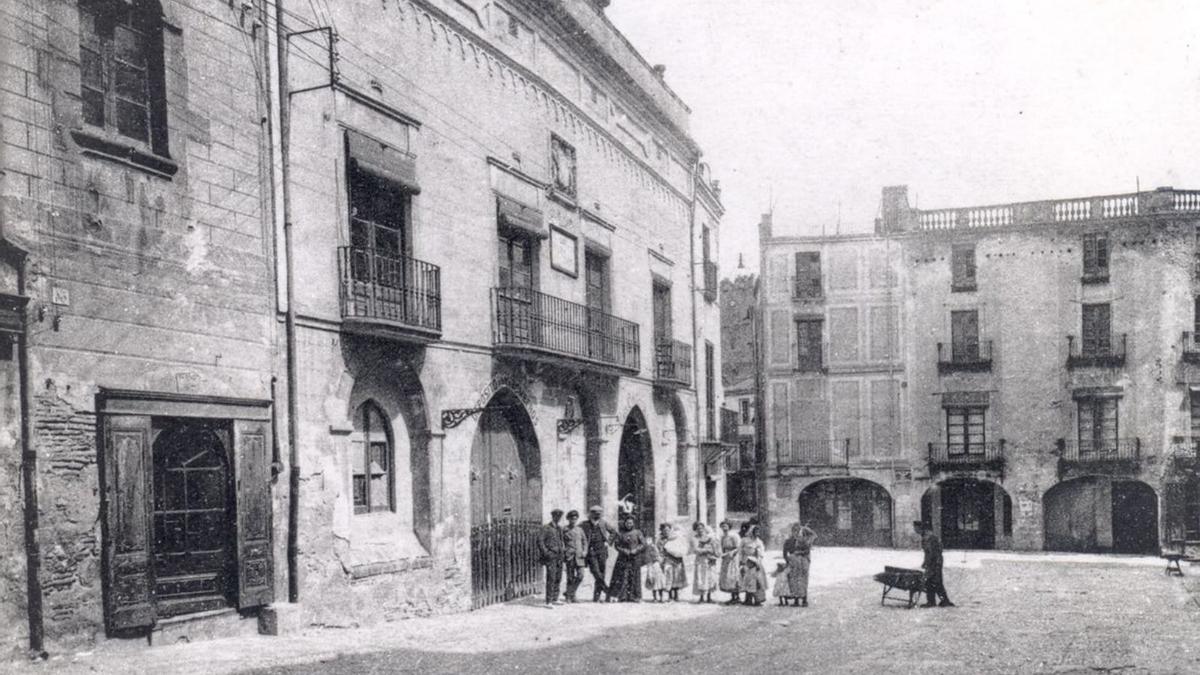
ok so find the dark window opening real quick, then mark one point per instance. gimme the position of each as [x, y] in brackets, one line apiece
[962, 264]
[1097, 425]
[744, 404]
[710, 389]
[964, 336]
[373, 474]
[808, 275]
[1095, 257]
[808, 345]
[1097, 329]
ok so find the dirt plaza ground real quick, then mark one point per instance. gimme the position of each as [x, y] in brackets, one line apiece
[1017, 613]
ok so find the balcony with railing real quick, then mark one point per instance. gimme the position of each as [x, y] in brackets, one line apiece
[672, 364]
[1105, 207]
[965, 358]
[1101, 354]
[1186, 453]
[1190, 349]
[808, 289]
[1115, 455]
[821, 453]
[966, 456]
[389, 296]
[710, 280]
[542, 327]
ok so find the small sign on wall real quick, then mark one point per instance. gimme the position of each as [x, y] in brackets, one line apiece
[564, 251]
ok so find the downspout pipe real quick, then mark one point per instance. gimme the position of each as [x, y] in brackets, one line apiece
[293, 522]
[33, 555]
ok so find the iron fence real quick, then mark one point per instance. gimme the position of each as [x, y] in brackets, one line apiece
[1099, 354]
[505, 561]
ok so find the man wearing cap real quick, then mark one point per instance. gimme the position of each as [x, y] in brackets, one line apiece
[576, 554]
[553, 550]
[598, 533]
[932, 546]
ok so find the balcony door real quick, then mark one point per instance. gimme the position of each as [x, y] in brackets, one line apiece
[515, 311]
[1097, 330]
[663, 334]
[596, 278]
[379, 241]
[964, 336]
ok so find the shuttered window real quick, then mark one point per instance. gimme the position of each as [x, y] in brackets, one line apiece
[964, 336]
[1097, 329]
[1095, 257]
[962, 266]
[808, 345]
[965, 430]
[1097, 425]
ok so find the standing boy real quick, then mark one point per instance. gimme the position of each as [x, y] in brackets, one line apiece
[576, 553]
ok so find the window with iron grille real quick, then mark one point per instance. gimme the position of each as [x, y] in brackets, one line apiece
[962, 267]
[808, 275]
[1095, 257]
[808, 344]
[1097, 329]
[965, 430]
[122, 86]
[1097, 425]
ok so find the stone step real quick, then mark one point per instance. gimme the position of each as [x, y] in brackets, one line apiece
[210, 625]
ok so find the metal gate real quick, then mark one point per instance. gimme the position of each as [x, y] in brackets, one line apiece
[504, 561]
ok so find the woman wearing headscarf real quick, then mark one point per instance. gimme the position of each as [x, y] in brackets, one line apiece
[730, 565]
[625, 583]
[754, 577]
[708, 552]
[797, 553]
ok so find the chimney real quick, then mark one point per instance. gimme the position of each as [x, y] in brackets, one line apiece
[764, 227]
[660, 71]
[893, 209]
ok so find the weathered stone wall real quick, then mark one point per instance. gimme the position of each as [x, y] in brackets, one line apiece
[136, 279]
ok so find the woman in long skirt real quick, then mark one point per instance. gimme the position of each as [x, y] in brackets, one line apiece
[708, 552]
[672, 550]
[656, 581]
[797, 552]
[625, 584]
[754, 577]
[730, 565]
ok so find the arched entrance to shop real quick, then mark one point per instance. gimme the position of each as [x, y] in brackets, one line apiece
[635, 470]
[848, 512]
[506, 503]
[968, 513]
[683, 465]
[1099, 514]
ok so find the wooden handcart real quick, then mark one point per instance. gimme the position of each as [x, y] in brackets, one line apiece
[903, 580]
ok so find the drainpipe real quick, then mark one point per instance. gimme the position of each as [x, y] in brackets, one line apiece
[701, 483]
[33, 555]
[293, 545]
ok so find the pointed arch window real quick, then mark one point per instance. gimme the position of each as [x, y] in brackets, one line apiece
[372, 459]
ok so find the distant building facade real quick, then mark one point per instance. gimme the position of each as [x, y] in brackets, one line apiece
[1017, 376]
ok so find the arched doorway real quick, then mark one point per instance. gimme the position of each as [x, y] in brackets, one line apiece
[969, 513]
[1099, 514]
[194, 560]
[684, 477]
[635, 470]
[848, 512]
[506, 503]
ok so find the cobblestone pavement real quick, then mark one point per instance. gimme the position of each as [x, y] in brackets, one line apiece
[1016, 613]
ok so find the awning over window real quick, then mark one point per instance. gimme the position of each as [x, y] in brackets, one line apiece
[515, 216]
[376, 158]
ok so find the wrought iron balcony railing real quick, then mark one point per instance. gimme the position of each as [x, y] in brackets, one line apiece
[1103, 354]
[531, 321]
[972, 358]
[808, 289]
[833, 452]
[391, 293]
[673, 363]
[1191, 348]
[1084, 451]
[966, 455]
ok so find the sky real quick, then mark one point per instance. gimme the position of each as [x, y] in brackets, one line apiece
[809, 108]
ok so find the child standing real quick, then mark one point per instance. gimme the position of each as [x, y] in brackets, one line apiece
[656, 581]
[783, 588]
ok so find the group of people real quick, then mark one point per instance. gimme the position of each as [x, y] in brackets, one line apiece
[733, 563]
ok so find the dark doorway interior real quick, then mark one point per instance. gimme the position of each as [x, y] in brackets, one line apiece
[968, 514]
[1134, 518]
[848, 512]
[635, 471]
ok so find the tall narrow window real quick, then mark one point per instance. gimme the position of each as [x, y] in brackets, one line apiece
[808, 345]
[662, 313]
[808, 275]
[965, 430]
[1097, 329]
[964, 336]
[121, 70]
[1097, 425]
[374, 477]
[710, 267]
[962, 267]
[600, 329]
[1194, 399]
[1095, 258]
[710, 389]
[744, 404]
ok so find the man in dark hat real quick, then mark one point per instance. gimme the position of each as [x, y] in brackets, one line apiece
[576, 554]
[932, 546]
[553, 551]
[598, 534]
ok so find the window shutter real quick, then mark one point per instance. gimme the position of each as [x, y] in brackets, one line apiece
[127, 463]
[253, 467]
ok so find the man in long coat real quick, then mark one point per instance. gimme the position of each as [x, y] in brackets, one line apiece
[553, 551]
[598, 534]
[934, 587]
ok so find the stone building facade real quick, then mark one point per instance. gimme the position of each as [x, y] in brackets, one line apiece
[1017, 376]
[476, 236]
